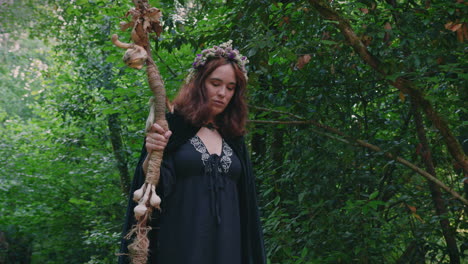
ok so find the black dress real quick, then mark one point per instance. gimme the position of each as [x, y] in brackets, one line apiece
[180, 241]
[200, 221]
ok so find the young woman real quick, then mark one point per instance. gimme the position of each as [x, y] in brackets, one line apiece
[209, 212]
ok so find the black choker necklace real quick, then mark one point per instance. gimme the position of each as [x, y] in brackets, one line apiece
[210, 126]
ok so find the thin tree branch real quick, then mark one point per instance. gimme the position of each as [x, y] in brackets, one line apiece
[275, 111]
[279, 122]
[349, 140]
[165, 64]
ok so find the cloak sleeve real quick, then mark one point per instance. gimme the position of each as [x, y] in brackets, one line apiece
[253, 249]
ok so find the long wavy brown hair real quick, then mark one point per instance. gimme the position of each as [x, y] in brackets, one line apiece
[192, 102]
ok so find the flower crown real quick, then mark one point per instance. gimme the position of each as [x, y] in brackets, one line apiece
[223, 50]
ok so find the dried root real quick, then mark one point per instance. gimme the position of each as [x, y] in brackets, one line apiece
[138, 249]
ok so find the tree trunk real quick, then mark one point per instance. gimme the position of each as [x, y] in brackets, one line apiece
[115, 130]
[436, 193]
[387, 179]
[277, 151]
[258, 145]
[414, 254]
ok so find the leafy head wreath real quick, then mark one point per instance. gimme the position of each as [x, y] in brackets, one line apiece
[224, 50]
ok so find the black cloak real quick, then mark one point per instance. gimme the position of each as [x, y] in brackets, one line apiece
[253, 251]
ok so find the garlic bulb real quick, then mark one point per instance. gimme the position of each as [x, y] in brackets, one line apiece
[155, 201]
[147, 193]
[138, 194]
[140, 210]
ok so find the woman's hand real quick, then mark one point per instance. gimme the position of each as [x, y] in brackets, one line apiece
[156, 139]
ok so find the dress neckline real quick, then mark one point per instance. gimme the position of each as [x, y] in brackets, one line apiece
[206, 149]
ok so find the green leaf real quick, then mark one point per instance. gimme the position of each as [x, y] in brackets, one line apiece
[373, 195]
[78, 201]
[301, 196]
[328, 42]
[276, 200]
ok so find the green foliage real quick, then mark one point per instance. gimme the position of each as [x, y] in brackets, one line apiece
[322, 200]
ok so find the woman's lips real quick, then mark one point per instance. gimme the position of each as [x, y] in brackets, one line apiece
[220, 103]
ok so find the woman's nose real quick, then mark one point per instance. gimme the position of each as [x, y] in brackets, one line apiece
[222, 91]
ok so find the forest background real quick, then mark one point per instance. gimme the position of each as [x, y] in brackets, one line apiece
[354, 105]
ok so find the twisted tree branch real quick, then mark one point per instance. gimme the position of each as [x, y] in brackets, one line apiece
[402, 84]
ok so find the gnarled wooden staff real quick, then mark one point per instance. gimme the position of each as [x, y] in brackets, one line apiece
[145, 20]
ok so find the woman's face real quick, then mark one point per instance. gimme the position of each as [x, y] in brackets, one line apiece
[220, 86]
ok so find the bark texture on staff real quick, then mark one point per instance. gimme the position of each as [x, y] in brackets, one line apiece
[145, 20]
[159, 117]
